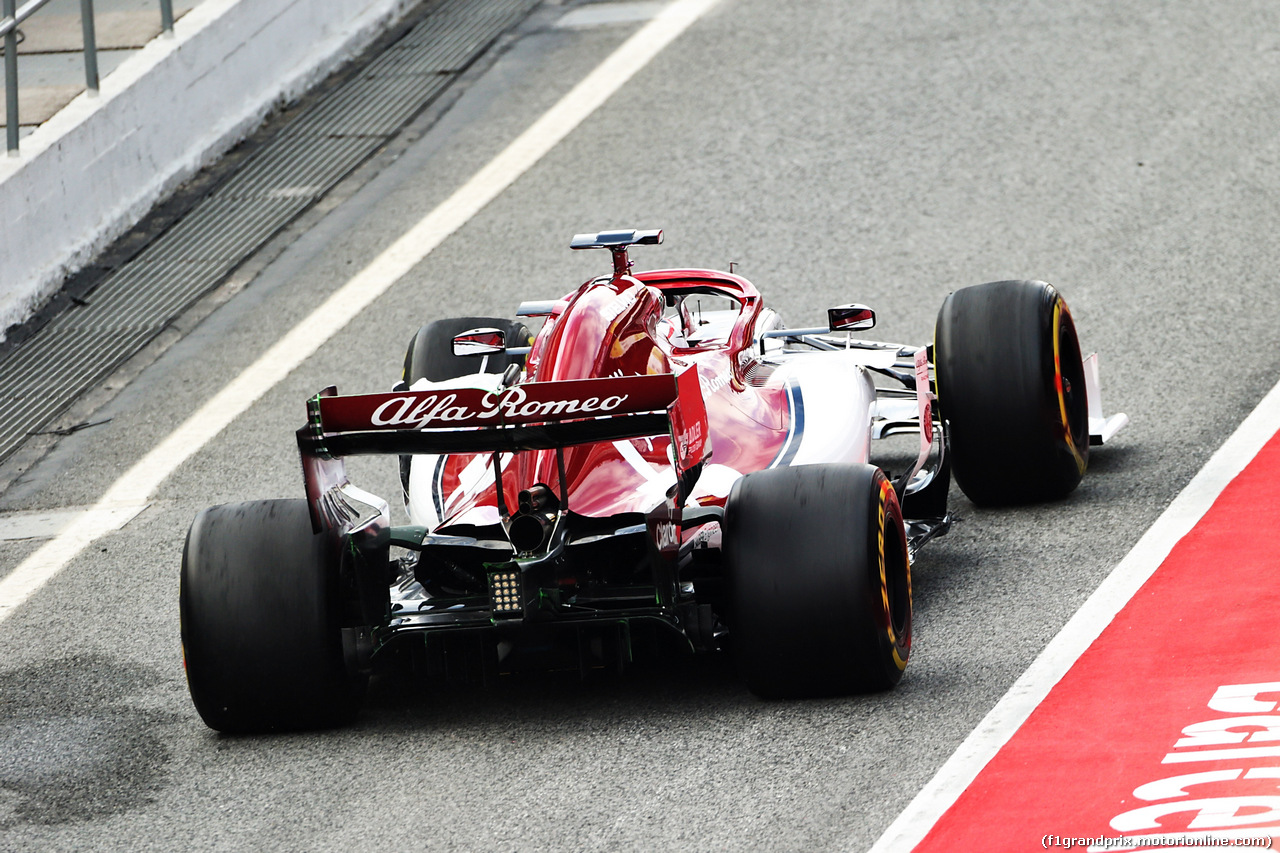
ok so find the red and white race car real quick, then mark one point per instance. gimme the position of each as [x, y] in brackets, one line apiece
[663, 456]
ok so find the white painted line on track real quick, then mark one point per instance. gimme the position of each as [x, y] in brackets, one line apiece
[135, 486]
[46, 524]
[1013, 709]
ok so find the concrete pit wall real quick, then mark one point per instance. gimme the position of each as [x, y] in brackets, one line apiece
[92, 171]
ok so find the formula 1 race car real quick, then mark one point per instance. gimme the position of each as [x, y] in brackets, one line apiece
[664, 458]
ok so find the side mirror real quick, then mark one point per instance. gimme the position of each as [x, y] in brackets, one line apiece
[479, 342]
[850, 318]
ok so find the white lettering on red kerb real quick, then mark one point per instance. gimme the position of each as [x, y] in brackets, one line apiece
[1213, 799]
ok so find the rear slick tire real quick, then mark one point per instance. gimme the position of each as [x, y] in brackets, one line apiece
[259, 608]
[1011, 389]
[819, 581]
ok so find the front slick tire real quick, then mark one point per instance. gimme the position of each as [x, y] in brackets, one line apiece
[819, 581]
[1011, 387]
[259, 608]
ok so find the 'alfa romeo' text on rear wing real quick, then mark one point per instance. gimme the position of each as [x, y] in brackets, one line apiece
[531, 416]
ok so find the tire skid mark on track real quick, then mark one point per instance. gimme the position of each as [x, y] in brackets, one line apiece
[137, 484]
[991, 735]
[73, 748]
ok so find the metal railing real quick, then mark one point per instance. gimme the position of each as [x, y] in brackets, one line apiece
[14, 16]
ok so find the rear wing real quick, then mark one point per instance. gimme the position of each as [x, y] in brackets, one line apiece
[441, 419]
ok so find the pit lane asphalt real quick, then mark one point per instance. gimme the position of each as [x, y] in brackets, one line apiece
[872, 151]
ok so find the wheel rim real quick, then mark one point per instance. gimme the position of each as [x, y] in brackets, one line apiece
[1068, 382]
[895, 582]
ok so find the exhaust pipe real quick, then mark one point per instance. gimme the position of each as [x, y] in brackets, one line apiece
[529, 527]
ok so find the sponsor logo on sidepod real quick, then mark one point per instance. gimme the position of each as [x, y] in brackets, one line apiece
[422, 410]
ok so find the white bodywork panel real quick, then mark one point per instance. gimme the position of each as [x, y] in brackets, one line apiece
[835, 402]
